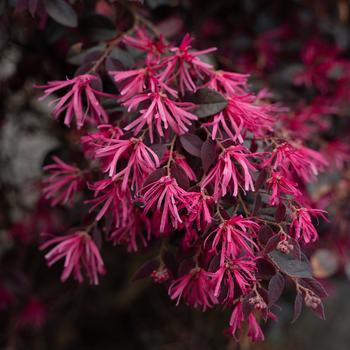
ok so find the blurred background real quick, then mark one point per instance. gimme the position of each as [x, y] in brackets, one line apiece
[294, 48]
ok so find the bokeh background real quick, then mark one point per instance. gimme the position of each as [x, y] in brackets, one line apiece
[263, 38]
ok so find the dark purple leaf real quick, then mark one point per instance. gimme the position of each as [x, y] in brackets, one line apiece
[180, 176]
[61, 12]
[264, 234]
[275, 289]
[271, 244]
[208, 154]
[97, 27]
[192, 144]
[159, 149]
[257, 204]
[298, 306]
[208, 101]
[154, 176]
[314, 285]
[261, 180]
[265, 269]
[280, 213]
[290, 266]
[319, 311]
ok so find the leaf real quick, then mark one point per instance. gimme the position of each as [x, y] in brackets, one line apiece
[275, 289]
[280, 213]
[208, 101]
[145, 269]
[298, 306]
[208, 154]
[260, 181]
[290, 266]
[123, 56]
[192, 144]
[264, 234]
[97, 27]
[319, 311]
[265, 270]
[62, 12]
[272, 244]
[180, 176]
[77, 56]
[154, 176]
[314, 285]
[257, 204]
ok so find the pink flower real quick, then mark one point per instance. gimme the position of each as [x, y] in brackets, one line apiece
[134, 82]
[194, 288]
[254, 330]
[302, 227]
[140, 160]
[112, 199]
[305, 162]
[280, 184]
[63, 183]
[92, 142]
[153, 46]
[186, 66]
[234, 237]
[180, 160]
[236, 319]
[226, 172]
[228, 82]
[78, 251]
[233, 272]
[131, 231]
[71, 103]
[166, 196]
[161, 113]
[200, 209]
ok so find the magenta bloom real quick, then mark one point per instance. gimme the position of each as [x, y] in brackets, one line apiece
[194, 288]
[302, 227]
[228, 82]
[79, 252]
[166, 196]
[280, 184]
[235, 272]
[200, 209]
[234, 237]
[130, 232]
[62, 183]
[112, 201]
[305, 162]
[161, 113]
[233, 167]
[254, 330]
[186, 65]
[140, 160]
[71, 104]
[142, 41]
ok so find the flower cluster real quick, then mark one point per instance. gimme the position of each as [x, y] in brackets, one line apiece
[198, 161]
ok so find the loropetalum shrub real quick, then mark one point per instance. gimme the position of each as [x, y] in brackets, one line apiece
[194, 166]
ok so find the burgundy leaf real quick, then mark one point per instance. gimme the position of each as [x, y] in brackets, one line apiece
[298, 306]
[275, 289]
[280, 213]
[208, 154]
[208, 101]
[192, 144]
[61, 12]
[180, 176]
